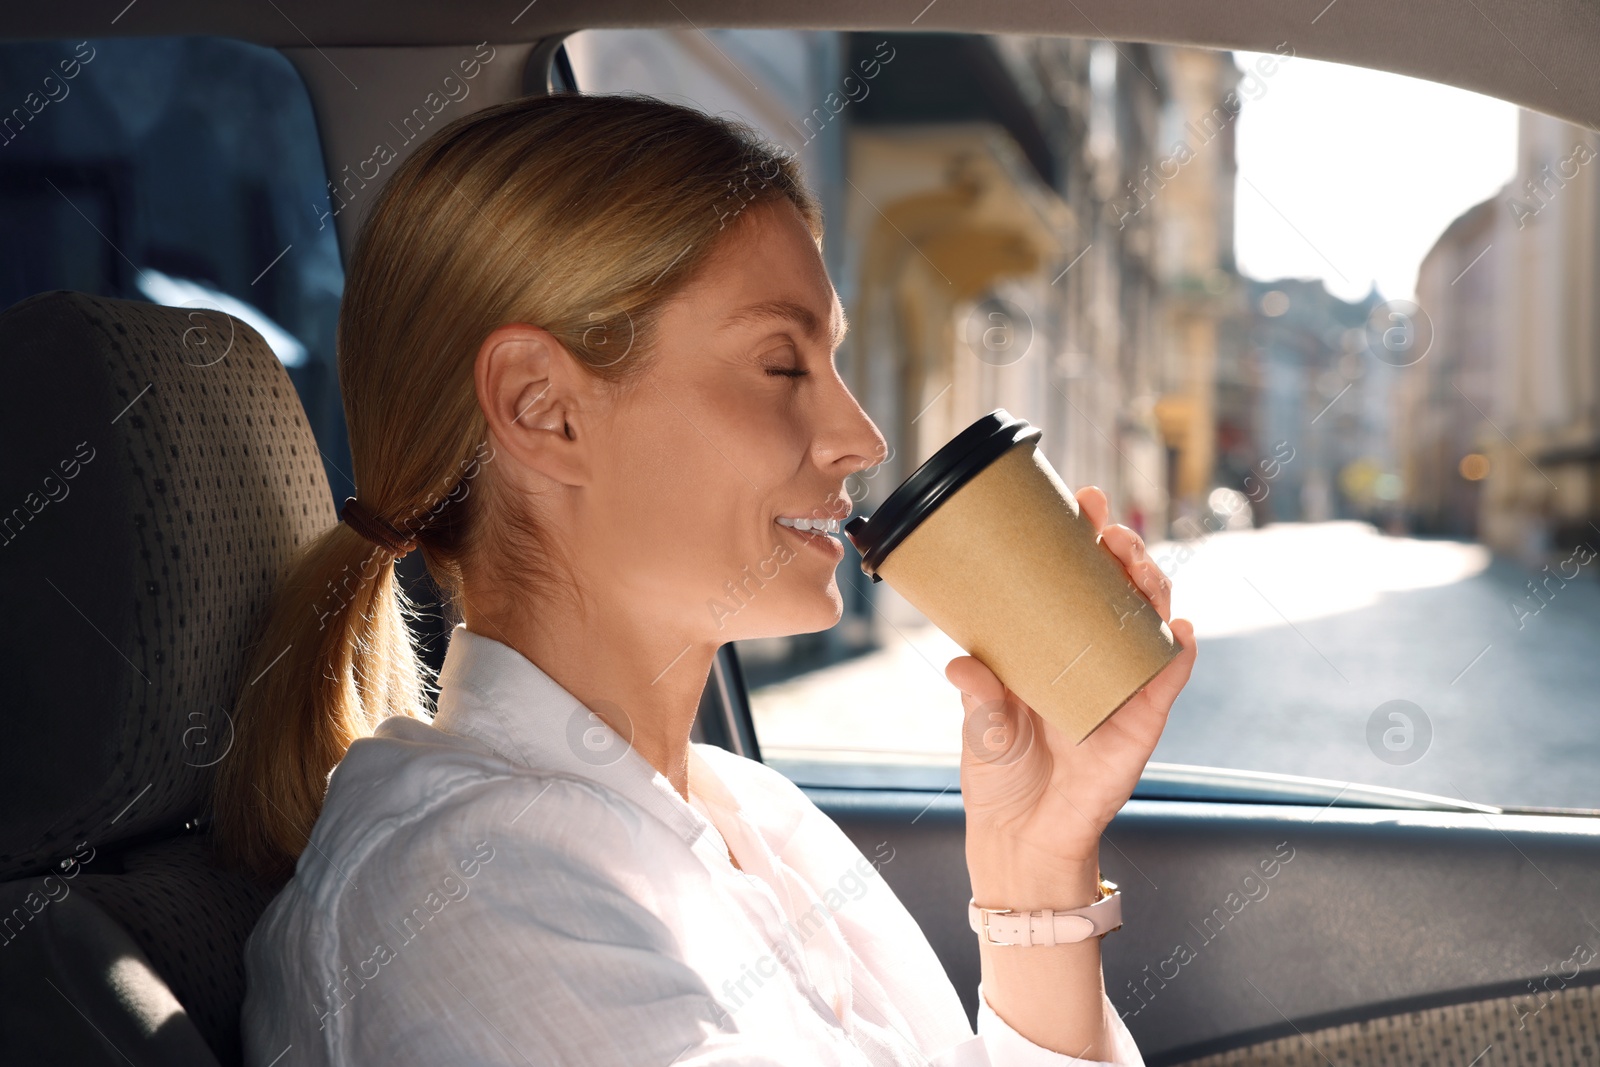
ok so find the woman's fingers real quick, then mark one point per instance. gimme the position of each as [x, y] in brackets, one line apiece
[1095, 505]
[1129, 547]
[1165, 687]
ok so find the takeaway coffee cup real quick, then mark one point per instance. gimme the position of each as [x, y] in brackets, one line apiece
[987, 542]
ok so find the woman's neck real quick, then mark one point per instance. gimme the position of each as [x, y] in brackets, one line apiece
[643, 679]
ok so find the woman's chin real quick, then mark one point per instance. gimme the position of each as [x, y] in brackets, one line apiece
[822, 610]
[827, 616]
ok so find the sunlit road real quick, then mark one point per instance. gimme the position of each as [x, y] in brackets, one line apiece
[1305, 631]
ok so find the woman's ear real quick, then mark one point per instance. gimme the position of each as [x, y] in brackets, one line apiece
[531, 390]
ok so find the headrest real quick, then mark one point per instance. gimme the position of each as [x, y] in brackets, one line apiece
[157, 475]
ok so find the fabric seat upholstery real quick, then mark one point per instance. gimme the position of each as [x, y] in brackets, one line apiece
[157, 474]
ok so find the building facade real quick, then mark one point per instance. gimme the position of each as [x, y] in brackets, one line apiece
[1503, 420]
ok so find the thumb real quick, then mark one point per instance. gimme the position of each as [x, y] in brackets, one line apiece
[975, 680]
[996, 730]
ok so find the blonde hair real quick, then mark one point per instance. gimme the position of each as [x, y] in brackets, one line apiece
[580, 214]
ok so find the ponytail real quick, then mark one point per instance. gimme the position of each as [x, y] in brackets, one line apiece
[335, 659]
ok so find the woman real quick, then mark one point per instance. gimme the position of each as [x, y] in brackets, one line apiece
[586, 352]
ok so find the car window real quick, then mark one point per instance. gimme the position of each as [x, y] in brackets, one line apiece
[1321, 333]
[183, 171]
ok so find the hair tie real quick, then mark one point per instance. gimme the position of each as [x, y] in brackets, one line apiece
[357, 516]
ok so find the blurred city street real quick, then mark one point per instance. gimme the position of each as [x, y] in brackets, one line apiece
[1305, 631]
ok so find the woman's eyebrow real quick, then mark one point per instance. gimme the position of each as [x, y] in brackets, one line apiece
[792, 311]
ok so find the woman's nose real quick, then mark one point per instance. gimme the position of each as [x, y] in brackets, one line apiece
[850, 437]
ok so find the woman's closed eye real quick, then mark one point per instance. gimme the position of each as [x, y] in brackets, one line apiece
[786, 364]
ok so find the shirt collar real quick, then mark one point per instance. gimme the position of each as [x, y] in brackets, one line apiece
[492, 693]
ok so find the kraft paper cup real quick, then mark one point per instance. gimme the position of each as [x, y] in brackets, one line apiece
[987, 542]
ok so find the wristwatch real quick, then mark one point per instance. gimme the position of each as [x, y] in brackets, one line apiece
[1002, 926]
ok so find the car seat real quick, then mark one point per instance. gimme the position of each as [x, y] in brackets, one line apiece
[157, 475]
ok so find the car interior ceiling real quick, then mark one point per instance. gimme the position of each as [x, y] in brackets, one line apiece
[1377, 954]
[1432, 39]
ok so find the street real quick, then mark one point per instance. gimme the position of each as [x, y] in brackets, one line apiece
[1306, 631]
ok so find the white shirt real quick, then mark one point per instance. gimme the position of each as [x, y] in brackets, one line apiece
[515, 884]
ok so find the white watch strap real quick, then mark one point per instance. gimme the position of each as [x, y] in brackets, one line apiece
[1002, 926]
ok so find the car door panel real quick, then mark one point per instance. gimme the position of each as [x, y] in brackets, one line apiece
[1250, 923]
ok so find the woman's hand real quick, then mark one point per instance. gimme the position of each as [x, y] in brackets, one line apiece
[1036, 803]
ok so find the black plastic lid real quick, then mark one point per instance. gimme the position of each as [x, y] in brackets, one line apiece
[953, 466]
